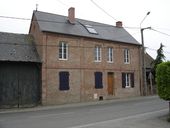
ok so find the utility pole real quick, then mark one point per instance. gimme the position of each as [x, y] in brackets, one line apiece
[143, 57]
[143, 62]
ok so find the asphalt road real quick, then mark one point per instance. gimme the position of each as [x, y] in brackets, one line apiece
[144, 112]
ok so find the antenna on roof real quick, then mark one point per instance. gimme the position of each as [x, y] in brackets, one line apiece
[36, 7]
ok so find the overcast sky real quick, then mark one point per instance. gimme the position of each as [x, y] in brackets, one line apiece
[130, 12]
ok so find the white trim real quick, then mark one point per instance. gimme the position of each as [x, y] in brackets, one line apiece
[98, 54]
[109, 57]
[63, 48]
[127, 80]
[126, 53]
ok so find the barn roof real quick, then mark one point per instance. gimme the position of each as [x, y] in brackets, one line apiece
[17, 47]
[59, 24]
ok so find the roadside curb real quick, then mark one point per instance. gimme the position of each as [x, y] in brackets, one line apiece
[42, 108]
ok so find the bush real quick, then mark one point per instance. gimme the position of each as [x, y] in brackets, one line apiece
[163, 80]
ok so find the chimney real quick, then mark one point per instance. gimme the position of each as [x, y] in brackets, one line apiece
[119, 24]
[71, 15]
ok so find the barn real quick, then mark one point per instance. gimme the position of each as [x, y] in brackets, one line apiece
[20, 71]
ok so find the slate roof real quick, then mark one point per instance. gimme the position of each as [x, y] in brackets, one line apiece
[59, 24]
[17, 47]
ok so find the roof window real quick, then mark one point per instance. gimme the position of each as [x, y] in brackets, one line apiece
[90, 29]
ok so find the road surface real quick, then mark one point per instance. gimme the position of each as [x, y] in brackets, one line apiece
[146, 112]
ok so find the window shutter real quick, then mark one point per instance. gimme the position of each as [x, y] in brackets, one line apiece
[123, 80]
[132, 80]
[64, 80]
[98, 80]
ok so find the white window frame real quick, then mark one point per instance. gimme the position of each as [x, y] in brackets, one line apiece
[98, 53]
[126, 56]
[110, 54]
[127, 80]
[64, 50]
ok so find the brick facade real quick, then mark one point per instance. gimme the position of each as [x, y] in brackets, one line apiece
[82, 66]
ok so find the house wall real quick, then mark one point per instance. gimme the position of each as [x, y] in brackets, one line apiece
[40, 42]
[81, 67]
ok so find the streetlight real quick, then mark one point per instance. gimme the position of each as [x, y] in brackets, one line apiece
[143, 56]
[144, 18]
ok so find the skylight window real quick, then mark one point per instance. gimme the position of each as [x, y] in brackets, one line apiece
[90, 29]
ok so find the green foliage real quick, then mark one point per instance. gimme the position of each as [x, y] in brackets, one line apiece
[163, 80]
[160, 56]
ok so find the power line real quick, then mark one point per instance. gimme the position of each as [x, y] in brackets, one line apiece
[103, 10]
[61, 2]
[50, 21]
[16, 18]
[160, 32]
[156, 50]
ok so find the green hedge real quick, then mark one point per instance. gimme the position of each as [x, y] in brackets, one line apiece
[163, 80]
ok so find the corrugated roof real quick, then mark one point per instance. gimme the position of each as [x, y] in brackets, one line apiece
[59, 24]
[17, 47]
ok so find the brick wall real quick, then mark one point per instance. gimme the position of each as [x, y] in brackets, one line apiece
[81, 67]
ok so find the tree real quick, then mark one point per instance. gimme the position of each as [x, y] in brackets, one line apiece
[163, 81]
[160, 57]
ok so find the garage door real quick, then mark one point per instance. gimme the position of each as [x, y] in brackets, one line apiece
[20, 84]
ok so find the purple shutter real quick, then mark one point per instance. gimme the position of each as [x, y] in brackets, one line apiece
[64, 80]
[123, 80]
[132, 80]
[98, 80]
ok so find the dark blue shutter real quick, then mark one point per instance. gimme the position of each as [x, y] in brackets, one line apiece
[64, 80]
[123, 80]
[98, 80]
[132, 80]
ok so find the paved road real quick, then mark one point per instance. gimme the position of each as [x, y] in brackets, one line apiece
[140, 112]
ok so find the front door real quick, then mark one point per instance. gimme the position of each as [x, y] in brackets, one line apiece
[110, 81]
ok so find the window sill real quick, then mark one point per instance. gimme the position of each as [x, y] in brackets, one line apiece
[63, 59]
[127, 63]
[97, 61]
[111, 62]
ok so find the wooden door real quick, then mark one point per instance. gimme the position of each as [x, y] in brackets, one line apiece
[110, 80]
[20, 84]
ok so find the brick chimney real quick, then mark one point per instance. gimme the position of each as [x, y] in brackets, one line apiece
[71, 15]
[119, 24]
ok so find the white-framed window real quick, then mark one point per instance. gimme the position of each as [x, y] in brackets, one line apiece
[110, 54]
[126, 56]
[127, 80]
[98, 53]
[63, 50]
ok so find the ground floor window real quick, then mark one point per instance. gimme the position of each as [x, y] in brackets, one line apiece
[127, 80]
[64, 81]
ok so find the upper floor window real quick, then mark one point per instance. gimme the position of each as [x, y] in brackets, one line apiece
[110, 54]
[63, 50]
[126, 56]
[98, 52]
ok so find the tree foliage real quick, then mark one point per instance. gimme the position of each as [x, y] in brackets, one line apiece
[163, 80]
[160, 56]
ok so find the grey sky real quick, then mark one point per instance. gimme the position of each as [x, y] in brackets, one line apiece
[130, 12]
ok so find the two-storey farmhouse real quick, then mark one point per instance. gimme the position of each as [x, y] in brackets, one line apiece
[84, 60]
